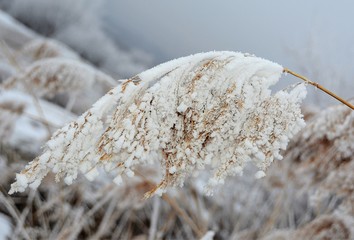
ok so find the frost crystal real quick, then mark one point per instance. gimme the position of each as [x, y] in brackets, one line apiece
[210, 110]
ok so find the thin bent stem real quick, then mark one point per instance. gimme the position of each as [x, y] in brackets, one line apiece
[319, 87]
[181, 213]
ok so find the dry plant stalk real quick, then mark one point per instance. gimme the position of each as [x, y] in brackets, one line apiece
[325, 90]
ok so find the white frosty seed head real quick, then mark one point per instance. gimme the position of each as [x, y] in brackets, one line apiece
[51, 76]
[211, 109]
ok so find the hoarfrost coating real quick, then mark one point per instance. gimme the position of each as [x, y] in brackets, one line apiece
[50, 76]
[211, 110]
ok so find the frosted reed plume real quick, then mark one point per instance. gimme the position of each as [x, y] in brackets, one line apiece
[42, 48]
[51, 76]
[327, 158]
[333, 226]
[210, 110]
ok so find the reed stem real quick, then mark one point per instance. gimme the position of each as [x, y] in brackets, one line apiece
[286, 70]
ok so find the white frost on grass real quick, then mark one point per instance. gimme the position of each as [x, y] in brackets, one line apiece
[5, 227]
[208, 236]
[41, 48]
[334, 124]
[29, 129]
[14, 33]
[51, 76]
[231, 119]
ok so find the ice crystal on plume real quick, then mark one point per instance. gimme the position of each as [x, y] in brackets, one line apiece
[210, 110]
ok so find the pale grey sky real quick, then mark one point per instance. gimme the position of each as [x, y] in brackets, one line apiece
[261, 27]
[320, 33]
